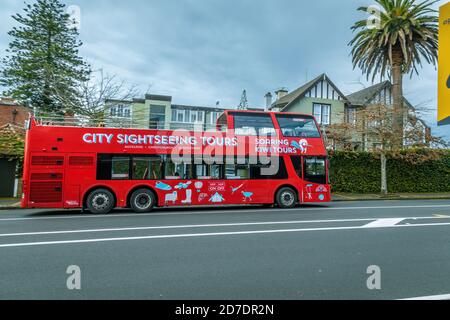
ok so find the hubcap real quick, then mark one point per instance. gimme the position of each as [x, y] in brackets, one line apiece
[287, 199]
[100, 201]
[143, 201]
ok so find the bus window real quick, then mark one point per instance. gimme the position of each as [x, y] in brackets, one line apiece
[298, 127]
[120, 168]
[247, 124]
[276, 170]
[147, 168]
[178, 171]
[208, 172]
[237, 169]
[315, 170]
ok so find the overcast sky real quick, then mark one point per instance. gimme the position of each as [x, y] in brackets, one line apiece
[203, 51]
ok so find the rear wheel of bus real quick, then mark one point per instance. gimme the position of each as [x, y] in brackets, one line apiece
[142, 201]
[100, 201]
[286, 198]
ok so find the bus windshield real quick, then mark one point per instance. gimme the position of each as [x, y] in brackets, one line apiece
[298, 127]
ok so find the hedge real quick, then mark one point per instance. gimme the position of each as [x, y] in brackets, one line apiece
[416, 171]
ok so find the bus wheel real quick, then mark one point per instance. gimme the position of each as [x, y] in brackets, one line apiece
[100, 201]
[142, 201]
[286, 198]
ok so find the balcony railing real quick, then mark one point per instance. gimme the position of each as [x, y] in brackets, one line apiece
[121, 123]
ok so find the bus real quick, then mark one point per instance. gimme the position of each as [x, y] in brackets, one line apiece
[251, 158]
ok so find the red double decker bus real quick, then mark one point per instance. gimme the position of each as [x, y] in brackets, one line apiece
[253, 158]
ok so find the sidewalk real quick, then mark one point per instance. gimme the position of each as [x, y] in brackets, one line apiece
[391, 196]
[9, 203]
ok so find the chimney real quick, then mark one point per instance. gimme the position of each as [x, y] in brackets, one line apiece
[268, 97]
[281, 93]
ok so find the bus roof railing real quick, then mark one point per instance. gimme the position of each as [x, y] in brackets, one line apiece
[121, 123]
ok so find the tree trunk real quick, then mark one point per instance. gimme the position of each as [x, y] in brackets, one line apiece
[384, 186]
[398, 104]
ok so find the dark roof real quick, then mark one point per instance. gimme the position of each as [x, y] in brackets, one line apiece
[158, 97]
[302, 91]
[118, 101]
[202, 108]
[363, 97]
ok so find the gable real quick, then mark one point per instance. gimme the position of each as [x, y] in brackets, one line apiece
[324, 89]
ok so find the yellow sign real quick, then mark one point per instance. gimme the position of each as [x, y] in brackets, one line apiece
[444, 66]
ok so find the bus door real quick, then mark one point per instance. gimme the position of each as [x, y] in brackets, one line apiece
[315, 182]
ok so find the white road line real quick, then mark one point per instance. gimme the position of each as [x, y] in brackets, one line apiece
[184, 227]
[187, 213]
[370, 225]
[381, 223]
[430, 298]
[197, 235]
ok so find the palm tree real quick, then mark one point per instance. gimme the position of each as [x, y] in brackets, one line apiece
[407, 34]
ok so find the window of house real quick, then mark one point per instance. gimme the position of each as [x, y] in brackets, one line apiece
[322, 113]
[157, 116]
[351, 115]
[121, 111]
[253, 124]
[214, 117]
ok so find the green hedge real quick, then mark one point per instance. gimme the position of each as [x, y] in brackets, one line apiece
[421, 171]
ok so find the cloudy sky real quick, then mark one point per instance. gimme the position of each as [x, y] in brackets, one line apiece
[203, 51]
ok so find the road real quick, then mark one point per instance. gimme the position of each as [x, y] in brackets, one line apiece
[311, 252]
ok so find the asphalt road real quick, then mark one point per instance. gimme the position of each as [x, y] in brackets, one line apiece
[311, 252]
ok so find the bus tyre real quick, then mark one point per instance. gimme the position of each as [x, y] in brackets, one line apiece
[286, 198]
[142, 201]
[100, 201]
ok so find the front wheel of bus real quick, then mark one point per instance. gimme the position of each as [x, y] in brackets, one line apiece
[100, 201]
[142, 201]
[286, 198]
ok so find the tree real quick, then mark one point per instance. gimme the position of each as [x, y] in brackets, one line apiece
[43, 59]
[407, 33]
[94, 93]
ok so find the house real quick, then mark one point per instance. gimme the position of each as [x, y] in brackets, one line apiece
[319, 97]
[12, 112]
[12, 121]
[158, 112]
[381, 93]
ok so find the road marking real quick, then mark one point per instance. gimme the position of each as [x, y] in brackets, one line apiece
[382, 223]
[298, 210]
[184, 227]
[441, 216]
[198, 235]
[430, 298]
[374, 224]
